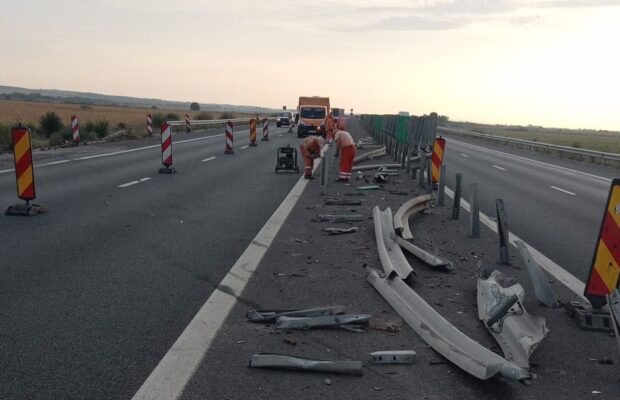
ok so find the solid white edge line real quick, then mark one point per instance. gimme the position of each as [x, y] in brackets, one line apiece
[563, 276]
[245, 147]
[145, 179]
[562, 190]
[533, 161]
[124, 185]
[176, 368]
[209, 159]
[498, 167]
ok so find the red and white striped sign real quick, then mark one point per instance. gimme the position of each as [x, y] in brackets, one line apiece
[75, 129]
[265, 129]
[187, 123]
[229, 138]
[166, 145]
[149, 124]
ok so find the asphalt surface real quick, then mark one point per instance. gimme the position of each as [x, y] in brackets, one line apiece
[556, 210]
[304, 268]
[96, 290]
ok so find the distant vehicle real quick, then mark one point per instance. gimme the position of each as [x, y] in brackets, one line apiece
[284, 118]
[338, 112]
[403, 113]
[312, 113]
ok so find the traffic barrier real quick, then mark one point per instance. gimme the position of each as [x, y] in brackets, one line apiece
[188, 125]
[605, 271]
[24, 173]
[438, 149]
[253, 122]
[474, 211]
[166, 149]
[75, 129]
[149, 124]
[265, 130]
[229, 139]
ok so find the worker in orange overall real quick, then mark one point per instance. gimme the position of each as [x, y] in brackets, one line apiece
[345, 146]
[330, 127]
[310, 149]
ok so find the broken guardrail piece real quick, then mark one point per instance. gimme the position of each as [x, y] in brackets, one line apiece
[370, 155]
[374, 166]
[430, 259]
[339, 218]
[393, 357]
[343, 202]
[390, 253]
[409, 208]
[500, 307]
[368, 187]
[542, 289]
[272, 315]
[280, 361]
[613, 300]
[340, 231]
[329, 321]
[442, 336]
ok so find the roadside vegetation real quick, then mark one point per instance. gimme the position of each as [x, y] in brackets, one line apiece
[52, 126]
[600, 140]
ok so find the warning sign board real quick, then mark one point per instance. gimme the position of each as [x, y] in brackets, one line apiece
[605, 269]
[24, 170]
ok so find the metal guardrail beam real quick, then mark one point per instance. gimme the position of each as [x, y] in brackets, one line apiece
[544, 146]
[213, 121]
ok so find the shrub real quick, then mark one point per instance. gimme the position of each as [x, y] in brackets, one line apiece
[5, 138]
[158, 119]
[56, 139]
[121, 125]
[576, 145]
[172, 117]
[100, 128]
[227, 115]
[50, 123]
[203, 115]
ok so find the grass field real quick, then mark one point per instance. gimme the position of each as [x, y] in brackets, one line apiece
[132, 120]
[607, 141]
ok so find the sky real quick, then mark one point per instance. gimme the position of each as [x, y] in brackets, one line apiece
[539, 62]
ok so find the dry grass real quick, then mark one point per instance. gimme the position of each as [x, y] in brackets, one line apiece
[607, 141]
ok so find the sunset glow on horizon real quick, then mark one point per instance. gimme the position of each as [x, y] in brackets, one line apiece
[539, 62]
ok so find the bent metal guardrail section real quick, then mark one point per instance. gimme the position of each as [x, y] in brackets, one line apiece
[601, 155]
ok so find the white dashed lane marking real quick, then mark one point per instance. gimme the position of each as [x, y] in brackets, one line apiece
[563, 190]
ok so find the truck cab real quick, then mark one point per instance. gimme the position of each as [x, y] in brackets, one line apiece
[312, 114]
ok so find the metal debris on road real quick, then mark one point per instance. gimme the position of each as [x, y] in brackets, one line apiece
[354, 322]
[272, 315]
[280, 361]
[290, 340]
[343, 202]
[393, 357]
[339, 231]
[390, 253]
[500, 307]
[339, 218]
[613, 300]
[368, 187]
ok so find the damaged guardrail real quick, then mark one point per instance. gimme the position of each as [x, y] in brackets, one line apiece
[392, 257]
[442, 336]
[268, 360]
[413, 206]
[370, 155]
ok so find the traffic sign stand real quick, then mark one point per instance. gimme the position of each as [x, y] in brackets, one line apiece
[166, 150]
[24, 174]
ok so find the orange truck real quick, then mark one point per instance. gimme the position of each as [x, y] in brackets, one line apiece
[312, 112]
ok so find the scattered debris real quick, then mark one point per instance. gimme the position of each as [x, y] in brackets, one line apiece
[385, 326]
[336, 218]
[392, 257]
[349, 322]
[290, 340]
[501, 308]
[339, 231]
[272, 315]
[368, 187]
[327, 382]
[280, 361]
[393, 357]
[240, 341]
[343, 202]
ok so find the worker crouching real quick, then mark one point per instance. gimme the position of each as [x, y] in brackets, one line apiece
[310, 149]
[345, 146]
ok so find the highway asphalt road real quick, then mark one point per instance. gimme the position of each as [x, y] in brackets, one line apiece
[555, 205]
[95, 291]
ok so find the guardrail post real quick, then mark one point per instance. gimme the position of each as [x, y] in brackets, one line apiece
[502, 231]
[474, 211]
[325, 171]
[442, 186]
[429, 176]
[421, 170]
[456, 206]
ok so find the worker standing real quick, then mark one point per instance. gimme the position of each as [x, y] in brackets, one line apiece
[310, 149]
[345, 146]
[330, 127]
